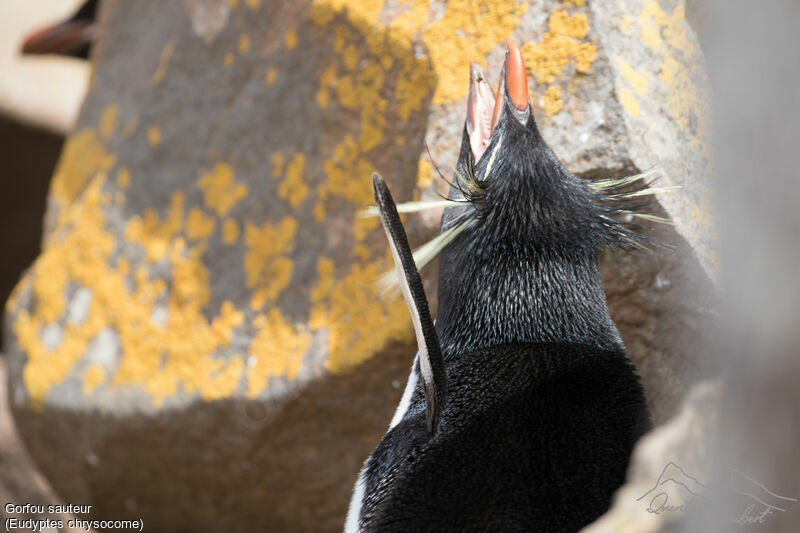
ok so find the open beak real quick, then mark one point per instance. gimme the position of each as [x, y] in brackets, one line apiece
[513, 87]
[66, 38]
[479, 111]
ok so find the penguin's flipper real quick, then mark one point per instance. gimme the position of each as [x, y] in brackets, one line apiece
[431, 362]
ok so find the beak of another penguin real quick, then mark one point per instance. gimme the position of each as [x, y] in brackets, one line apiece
[484, 110]
[64, 38]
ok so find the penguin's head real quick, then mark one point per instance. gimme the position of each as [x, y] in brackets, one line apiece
[519, 239]
[520, 233]
[513, 186]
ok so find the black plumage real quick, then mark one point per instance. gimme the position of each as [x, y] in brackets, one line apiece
[543, 406]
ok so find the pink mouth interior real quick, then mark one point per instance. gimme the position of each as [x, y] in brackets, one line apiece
[483, 109]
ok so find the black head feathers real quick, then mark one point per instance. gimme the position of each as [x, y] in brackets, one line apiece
[522, 264]
[517, 185]
[509, 182]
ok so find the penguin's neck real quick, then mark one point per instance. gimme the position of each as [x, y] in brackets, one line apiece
[510, 292]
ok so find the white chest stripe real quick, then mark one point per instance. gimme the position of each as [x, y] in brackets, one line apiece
[405, 401]
[354, 510]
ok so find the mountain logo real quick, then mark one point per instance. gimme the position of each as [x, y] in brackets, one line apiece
[674, 491]
[743, 500]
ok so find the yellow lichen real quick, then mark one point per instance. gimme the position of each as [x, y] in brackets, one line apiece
[669, 35]
[319, 211]
[222, 326]
[323, 98]
[220, 192]
[277, 351]
[629, 103]
[552, 100]
[272, 76]
[94, 376]
[244, 44]
[268, 269]
[363, 226]
[189, 275]
[357, 81]
[368, 10]
[670, 71]
[467, 32]
[153, 234]
[350, 57]
[83, 245]
[84, 155]
[253, 4]
[224, 379]
[637, 79]
[361, 252]
[291, 39]
[357, 321]
[657, 26]
[413, 88]
[229, 59]
[163, 63]
[650, 21]
[561, 44]
[13, 299]
[424, 174]
[198, 225]
[154, 136]
[625, 25]
[293, 189]
[373, 106]
[347, 174]
[326, 276]
[230, 231]
[160, 355]
[108, 121]
[277, 164]
[123, 177]
[703, 217]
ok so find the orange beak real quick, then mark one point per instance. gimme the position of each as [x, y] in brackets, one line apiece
[513, 85]
[516, 79]
[513, 81]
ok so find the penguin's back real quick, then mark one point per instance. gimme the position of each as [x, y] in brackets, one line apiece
[534, 437]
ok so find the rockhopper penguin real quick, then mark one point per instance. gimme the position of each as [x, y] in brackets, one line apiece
[522, 408]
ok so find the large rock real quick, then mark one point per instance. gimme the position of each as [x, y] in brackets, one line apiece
[202, 335]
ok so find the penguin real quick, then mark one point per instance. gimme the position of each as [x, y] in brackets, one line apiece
[72, 37]
[522, 408]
